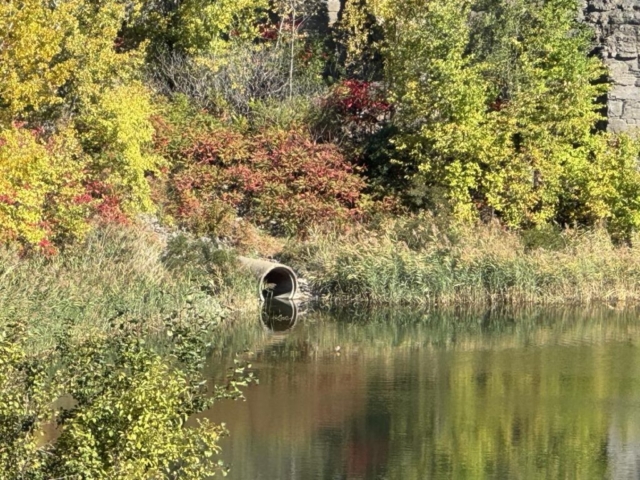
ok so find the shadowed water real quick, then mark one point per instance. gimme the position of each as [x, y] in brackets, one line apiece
[413, 395]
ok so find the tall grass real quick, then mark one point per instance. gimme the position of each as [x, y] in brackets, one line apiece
[414, 261]
[123, 274]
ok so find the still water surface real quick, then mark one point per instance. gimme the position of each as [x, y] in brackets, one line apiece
[428, 395]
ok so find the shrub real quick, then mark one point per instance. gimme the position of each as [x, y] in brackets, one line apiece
[131, 403]
[352, 114]
[57, 57]
[207, 26]
[280, 180]
[42, 197]
[118, 132]
[62, 60]
[233, 81]
[25, 398]
[358, 102]
[129, 421]
[497, 113]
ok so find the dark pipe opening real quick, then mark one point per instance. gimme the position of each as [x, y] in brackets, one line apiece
[278, 282]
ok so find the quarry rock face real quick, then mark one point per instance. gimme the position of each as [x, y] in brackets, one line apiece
[617, 27]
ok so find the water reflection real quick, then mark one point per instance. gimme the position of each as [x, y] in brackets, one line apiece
[623, 452]
[279, 315]
[415, 395]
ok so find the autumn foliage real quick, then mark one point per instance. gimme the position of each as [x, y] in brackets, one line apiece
[280, 180]
[211, 110]
[42, 193]
[359, 102]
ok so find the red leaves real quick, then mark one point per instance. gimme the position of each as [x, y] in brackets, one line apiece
[498, 105]
[108, 207]
[280, 180]
[110, 210]
[47, 248]
[7, 199]
[269, 32]
[359, 101]
[214, 148]
[83, 199]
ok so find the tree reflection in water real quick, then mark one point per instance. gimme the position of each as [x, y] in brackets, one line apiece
[534, 394]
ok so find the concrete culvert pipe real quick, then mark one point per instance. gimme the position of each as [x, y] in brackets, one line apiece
[275, 280]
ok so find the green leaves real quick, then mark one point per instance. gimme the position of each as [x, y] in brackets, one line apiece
[497, 105]
[131, 423]
[126, 406]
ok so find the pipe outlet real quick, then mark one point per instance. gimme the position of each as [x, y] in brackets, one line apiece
[275, 280]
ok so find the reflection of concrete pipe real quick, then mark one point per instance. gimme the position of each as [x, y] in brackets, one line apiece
[274, 279]
[279, 315]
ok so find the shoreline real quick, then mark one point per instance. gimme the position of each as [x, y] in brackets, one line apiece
[140, 275]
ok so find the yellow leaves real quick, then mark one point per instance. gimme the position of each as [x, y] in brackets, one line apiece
[461, 177]
[118, 127]
[208, 26]
[40, 187]
[58, 53]
[60, 60]
[609, 183]
[358, 27]
[92, 45]
[31, 37]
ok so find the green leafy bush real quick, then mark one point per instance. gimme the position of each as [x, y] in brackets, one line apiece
[129, 409]
[497, 113]
[129, 421]
[25, 397]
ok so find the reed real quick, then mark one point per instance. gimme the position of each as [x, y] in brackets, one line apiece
[416, 261]
[123, 273]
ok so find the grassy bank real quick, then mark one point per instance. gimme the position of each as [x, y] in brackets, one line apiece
[414, 261]
[133, 274]
[124, 322]
[121, 323]
[125, 273]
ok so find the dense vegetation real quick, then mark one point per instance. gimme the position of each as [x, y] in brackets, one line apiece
[415, 261]
[110, 407]
[398, 148]
[202, 112]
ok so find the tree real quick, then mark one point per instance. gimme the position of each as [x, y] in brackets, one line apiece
[73, 116]
[497, 108]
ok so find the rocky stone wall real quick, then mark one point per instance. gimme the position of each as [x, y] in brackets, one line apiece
[617, 25]
[333, 6]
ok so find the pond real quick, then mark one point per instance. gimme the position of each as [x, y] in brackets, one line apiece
[375, 394]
